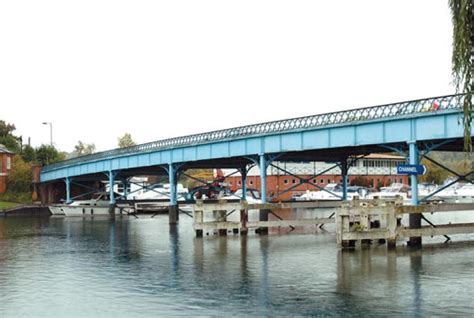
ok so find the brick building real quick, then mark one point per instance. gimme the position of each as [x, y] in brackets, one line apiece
[6, 159]
[378, 169]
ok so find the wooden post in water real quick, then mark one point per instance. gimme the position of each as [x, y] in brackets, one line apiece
[198, 217]
[173, 211]
[244, 219]
[221, 216]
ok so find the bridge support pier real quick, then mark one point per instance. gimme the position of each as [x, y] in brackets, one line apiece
[345, 178]
[414, 219]
[68, 190]
[112, 175]
[173, 211]
[263, 214]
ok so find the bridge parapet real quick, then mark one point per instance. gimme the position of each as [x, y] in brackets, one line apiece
[434, 104]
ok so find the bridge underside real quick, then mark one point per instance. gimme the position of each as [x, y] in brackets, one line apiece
[334, 155]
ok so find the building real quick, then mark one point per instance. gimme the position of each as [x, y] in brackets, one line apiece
[6, 158]
[379, 170]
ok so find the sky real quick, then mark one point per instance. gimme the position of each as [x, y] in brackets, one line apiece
[97, 69]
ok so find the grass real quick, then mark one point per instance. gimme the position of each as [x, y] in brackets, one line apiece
[6, 205]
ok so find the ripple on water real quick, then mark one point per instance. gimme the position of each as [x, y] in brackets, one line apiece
[138, 267]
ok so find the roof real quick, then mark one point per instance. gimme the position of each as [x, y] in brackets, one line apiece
[383, 156]
[4, 149]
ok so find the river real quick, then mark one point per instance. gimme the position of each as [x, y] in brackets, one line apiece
[127, 267]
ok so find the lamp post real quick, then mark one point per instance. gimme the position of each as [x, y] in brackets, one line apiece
[50, 132]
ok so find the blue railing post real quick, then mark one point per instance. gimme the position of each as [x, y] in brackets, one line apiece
[173, 207]
[68, 190]
[414, 219]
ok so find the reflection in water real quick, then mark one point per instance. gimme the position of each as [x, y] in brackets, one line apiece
[90, 267]
[416, 269]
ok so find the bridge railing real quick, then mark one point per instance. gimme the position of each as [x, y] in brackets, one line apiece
[433, 104]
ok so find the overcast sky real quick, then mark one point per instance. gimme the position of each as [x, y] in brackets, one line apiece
[157, 69]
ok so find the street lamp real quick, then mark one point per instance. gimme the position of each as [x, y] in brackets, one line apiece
[50, 131]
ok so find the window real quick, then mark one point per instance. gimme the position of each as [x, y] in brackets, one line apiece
[251, 182]
[293, 181]
[321, 181]
[314, 180]
[9, 163]
[239, 182]
[285, 181]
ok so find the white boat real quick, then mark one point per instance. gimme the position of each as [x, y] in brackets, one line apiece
[157, 197]
[425, 189]
[98, 205]
[465, 193]
[450, 194]
[392, 192]
[334, 192]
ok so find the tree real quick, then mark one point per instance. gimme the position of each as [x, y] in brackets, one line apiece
[7, 138]
[126, 141]
[47, 154]
[19, 179]
[28, 154]
[463, 51]
[81, 149]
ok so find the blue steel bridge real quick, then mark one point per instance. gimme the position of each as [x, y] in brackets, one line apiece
[413, 128]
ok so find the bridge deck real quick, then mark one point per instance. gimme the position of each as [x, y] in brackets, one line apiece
[325, 137]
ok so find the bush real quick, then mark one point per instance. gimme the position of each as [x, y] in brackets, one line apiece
[19, 179]
[17, 197]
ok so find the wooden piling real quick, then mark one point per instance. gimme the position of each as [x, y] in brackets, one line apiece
[173, 214]
[415, 223]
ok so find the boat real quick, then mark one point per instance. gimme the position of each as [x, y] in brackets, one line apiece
[252, 195]
[333, 192]
[99, 204]
[465, 193]
[425, 189]
[392, 192]
[156, 198]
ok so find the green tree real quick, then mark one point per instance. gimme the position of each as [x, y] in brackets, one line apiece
[463, 51]
[20, 177]
[28, 154]
[47, 154]
[82, 149]
[7, 138]
[126, 141]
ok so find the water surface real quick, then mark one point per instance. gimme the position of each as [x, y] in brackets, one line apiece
[140, 267]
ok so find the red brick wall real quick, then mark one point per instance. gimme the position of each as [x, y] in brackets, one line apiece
[3, 184]
[276, 184]
[3, 170]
